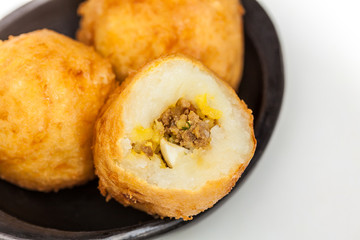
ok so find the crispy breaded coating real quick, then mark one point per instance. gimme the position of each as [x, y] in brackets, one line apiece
[51, 89]
[132, 32]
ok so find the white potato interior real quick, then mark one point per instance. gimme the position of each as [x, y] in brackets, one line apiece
[160, 87]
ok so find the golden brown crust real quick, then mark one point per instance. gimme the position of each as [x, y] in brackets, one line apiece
[115, 182]
[131, 33]
[51, 89]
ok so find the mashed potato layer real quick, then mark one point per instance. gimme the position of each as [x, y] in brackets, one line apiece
[161, 87]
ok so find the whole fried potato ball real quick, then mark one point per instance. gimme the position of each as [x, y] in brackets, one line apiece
[51, 90]
[132, 32]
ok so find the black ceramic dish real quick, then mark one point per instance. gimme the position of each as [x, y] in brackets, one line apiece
[82, 213]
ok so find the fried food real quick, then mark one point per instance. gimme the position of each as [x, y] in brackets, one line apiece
[51, 90]
[131, 33]
[172, 140]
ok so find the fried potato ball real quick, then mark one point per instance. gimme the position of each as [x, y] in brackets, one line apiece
[51, 90]
[131, 33]
[168, 146]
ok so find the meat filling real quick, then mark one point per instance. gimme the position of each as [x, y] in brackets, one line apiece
[141, 147]
[184, 126]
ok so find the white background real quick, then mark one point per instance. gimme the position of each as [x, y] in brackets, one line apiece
[307, 183]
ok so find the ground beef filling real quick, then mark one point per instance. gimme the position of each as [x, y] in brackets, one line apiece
[184, 126]
[141, 147]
